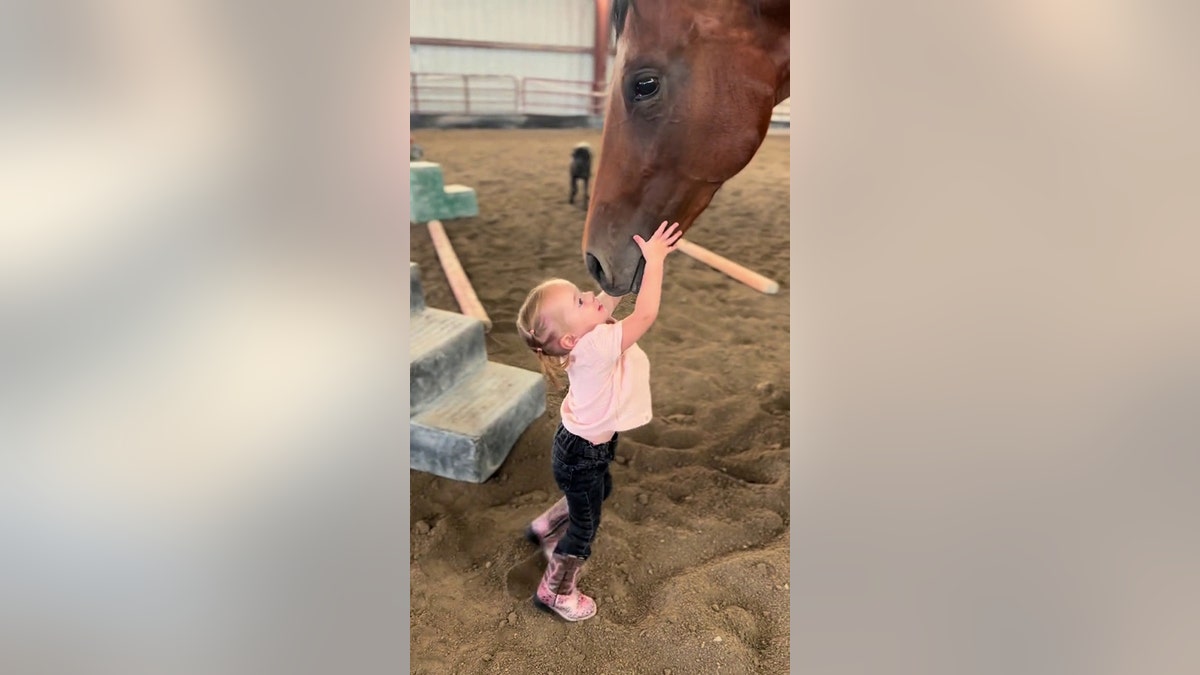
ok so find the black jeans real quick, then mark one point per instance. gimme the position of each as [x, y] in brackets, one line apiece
[581, 471]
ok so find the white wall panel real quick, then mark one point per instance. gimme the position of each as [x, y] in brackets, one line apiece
[545, 22]
[476, 61]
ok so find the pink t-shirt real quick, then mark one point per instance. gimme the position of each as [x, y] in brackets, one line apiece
[610, 389]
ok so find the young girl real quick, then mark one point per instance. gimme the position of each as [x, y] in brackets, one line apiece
[609, 392]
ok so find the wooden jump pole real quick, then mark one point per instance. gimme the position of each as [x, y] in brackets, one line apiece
[749, 277]
[459, 283]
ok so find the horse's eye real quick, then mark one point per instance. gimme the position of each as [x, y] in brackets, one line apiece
[645, 87]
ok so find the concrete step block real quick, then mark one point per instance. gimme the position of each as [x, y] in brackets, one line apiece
[467, 434]
[427, 192]
[416, 293]
[444, 348]
[432, 199]
[460, 202]
[443, 207]
[425, 177]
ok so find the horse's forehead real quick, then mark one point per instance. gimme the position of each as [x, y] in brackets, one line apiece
[706, 24]
[672, 23]
[668, 19]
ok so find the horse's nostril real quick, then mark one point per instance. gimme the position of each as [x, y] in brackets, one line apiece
[595, 269]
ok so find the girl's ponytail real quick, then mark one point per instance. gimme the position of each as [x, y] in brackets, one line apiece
[541, 336]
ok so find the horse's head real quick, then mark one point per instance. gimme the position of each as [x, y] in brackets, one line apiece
[692, 92]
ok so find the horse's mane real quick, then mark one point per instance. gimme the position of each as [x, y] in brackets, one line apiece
[620, 9]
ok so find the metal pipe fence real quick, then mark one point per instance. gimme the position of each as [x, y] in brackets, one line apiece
[467, 94]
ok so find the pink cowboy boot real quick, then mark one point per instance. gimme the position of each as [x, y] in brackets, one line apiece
[558, 592]
[548, 528]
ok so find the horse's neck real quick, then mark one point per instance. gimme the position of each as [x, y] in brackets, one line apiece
[784, 63]
[773, 28]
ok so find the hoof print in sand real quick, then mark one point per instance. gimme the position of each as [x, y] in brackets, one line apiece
[656, 434]
[755, 473]
[522, 579]
[772, 400]
[680, 439]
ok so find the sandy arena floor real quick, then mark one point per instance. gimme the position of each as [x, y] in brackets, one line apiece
[690, 567]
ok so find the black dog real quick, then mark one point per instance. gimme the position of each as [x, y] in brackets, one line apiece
[581, 169]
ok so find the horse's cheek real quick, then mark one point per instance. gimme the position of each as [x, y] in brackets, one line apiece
[730, 145]
[730, 129]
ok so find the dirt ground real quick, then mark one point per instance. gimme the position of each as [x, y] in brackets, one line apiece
[690, 567]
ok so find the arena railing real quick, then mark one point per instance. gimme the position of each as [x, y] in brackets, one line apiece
[561, 97]
[469, 94]
[440, 93]
[782, 114]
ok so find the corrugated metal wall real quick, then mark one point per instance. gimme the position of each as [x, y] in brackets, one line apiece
[568, 23]
[476, 61]
[554, 22]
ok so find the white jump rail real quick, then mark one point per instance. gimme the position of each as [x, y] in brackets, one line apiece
[464, 293]
[747, 276]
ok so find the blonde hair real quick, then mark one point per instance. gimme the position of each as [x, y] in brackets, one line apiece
[541, 333]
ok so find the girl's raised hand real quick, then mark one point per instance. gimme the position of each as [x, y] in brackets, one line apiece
[660, 243]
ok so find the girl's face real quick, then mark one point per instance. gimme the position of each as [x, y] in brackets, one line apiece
[577, 312]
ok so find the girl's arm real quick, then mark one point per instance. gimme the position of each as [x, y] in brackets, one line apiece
[645, 310]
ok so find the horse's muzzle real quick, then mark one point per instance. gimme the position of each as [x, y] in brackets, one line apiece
[607, 280]
[597, 271]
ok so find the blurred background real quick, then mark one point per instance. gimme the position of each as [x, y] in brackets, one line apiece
[996, 321]
[200, 346]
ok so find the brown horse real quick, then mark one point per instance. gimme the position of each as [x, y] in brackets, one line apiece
[690, 102]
